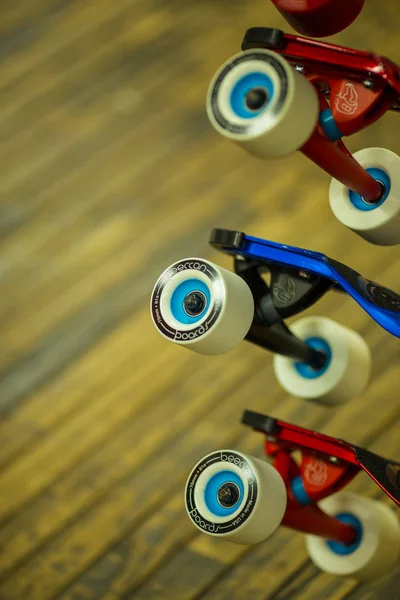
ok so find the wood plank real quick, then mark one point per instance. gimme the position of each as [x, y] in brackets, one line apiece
[84, 328]
[106, 459]
[386, 588]
[76, 23]
[94, 264]
[48, 244]
[54, 309]
[18, 21]
[89, 140]
[89, 84]
[79, 385]
[122, 507]
[111, 49]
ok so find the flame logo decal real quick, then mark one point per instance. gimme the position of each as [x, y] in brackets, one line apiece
[347, 102]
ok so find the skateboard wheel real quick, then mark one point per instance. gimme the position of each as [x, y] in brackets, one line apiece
[378, 223]
[319, 18]
[237, 497]
[259, 101]
[202, 306]
[377, 547]
[345, 373]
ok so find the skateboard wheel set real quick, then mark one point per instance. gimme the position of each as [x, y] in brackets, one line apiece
[209, 310]
[378, 545]
[201, 306]
[242, 499]
[255, 100]
[377, 223]
[344, 376]
[237, 497]
[284, 93]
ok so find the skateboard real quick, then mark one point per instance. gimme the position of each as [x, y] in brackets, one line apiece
[284, 93]
[209, 310]
[244, 500]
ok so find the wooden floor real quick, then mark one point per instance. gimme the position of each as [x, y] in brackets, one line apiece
[109, 172]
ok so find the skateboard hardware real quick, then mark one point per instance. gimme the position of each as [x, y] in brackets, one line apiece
[343, 460]
[316, 272]
[285, 93]
[315, 358]
[302, 489]
[330, 67]
[281, 94]
[360, 87]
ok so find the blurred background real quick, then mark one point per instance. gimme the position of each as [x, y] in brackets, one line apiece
[110, 171]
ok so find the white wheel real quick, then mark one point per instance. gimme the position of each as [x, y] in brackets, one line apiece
[377, 223]
[234, 496]
[259, 101]
[377, 548]
[201, 306]
[345, 373]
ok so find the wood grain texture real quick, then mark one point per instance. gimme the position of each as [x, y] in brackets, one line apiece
[110, 171]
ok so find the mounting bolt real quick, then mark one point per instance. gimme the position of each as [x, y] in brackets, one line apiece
[368, 83]
[299, 68]
[334, 460]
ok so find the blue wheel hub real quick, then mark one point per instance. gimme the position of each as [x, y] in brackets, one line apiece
[359, 202]
[223, 493]
[306, 370]
[251, 95]
[343, 549]
[190, 287]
